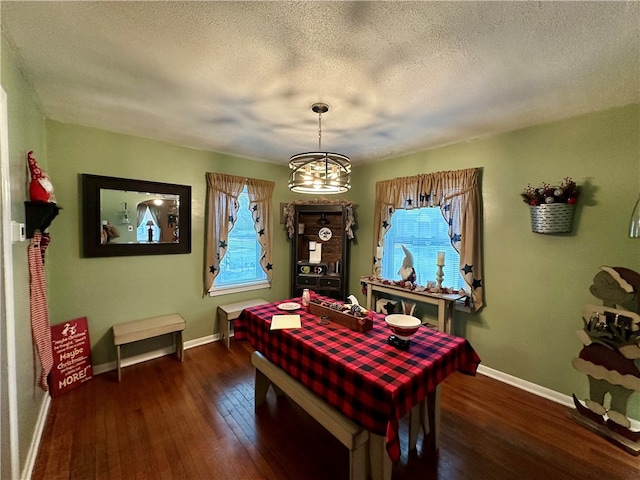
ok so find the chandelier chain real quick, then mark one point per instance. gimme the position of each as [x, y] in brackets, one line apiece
[320, 131]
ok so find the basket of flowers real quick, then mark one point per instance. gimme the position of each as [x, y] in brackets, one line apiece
[552, 207]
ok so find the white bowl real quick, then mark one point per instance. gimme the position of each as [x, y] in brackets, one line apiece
[403, 326]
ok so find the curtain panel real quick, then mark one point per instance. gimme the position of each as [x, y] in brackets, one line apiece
[221, 214]
[140, 209]
[457, 195]
[260, 195]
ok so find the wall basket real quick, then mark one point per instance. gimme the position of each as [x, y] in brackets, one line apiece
[552, 218]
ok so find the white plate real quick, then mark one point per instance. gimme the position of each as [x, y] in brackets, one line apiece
[289, 306]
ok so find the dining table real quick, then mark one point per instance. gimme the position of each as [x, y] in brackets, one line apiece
[361, 374]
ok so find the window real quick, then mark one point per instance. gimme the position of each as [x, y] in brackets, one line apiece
[424, 233]
[241, 264]
[142, 232]
[456, 195]
[239, 234]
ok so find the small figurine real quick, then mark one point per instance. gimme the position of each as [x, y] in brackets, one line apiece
[407, 272]
[40, 187]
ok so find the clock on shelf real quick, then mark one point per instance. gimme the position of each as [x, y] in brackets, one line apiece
[325, 234]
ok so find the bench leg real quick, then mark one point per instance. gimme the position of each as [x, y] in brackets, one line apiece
[179, 346]
[261, 388]
[379, 458]
[227, 334]
[224, 324]
[118, 362]
[358, 462]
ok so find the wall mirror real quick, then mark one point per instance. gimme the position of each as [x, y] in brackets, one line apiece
[123, 217]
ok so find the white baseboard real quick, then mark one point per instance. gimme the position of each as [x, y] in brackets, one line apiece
[201, 341]
[36, 438]
[543, 392]
[144, 357]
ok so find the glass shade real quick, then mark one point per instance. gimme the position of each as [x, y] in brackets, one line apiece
[634, 227]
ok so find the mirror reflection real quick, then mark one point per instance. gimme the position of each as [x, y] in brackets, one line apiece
[138, 217]
[124, 216]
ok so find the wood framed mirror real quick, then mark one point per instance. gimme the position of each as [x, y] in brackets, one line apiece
[123, 217]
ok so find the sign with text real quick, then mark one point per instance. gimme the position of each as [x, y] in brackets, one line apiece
[71, 356]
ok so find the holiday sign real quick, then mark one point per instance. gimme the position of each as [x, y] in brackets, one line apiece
[71, 356]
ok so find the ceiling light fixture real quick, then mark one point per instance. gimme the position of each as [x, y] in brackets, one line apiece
[320, 172]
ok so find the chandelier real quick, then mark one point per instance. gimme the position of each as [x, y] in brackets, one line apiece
[320, 172]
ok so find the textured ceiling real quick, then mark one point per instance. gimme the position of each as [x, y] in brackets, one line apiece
[400, 77]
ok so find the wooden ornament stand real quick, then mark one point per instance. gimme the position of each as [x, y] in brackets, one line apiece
[603, 429]
[600, 319]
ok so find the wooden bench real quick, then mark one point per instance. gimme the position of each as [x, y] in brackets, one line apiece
[354, 437]
[229, 312]
[148, 328]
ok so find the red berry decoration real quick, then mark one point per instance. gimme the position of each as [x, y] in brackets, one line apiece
[567, 192]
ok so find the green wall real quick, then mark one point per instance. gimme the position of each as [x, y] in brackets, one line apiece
[535, 285]
[120, 289]
[26, 130]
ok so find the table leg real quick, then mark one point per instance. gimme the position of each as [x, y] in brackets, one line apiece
[369, 297]
[451, 309]
[426, 414]
[415, 417]
[379, 458]
[442, 325]
[430, 414]
[417, 420]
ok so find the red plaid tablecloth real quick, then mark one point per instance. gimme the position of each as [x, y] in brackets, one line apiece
[359, 374]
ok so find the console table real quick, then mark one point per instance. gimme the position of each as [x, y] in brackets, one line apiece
[444, 301]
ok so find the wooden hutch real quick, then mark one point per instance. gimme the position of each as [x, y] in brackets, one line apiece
[320, 234]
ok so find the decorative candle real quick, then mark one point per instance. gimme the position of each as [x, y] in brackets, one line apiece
[440, 261]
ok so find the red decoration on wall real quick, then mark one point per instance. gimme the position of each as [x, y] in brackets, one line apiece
[71, 356]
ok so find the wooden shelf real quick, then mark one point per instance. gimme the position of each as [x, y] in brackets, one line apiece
[39, 215]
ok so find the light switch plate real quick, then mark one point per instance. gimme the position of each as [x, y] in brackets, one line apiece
[18, 232]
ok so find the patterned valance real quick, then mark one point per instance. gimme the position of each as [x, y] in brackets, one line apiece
[290, 211]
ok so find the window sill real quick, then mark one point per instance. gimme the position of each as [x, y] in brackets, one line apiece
[217, 291]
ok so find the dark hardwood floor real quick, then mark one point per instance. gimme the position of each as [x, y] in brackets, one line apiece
[196, 420]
